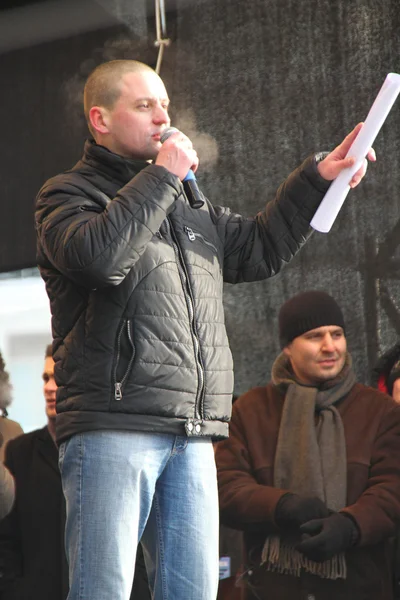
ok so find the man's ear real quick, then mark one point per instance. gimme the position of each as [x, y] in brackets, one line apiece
[286, 351]
[99, 119]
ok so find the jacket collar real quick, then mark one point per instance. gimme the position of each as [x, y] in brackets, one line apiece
[112, 165]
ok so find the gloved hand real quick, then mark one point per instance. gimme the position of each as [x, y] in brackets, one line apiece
[323, 538]
[293, 510]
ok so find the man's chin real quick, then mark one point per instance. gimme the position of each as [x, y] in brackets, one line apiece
[153, 152]
[329, 373]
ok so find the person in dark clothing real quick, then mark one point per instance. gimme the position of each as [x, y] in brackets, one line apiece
[135, 276]
[310, 472]
[32, 556]
[386, 377]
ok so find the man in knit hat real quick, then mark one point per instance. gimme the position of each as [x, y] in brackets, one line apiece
[310, 472]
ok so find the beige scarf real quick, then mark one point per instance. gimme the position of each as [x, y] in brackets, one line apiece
[310, 460]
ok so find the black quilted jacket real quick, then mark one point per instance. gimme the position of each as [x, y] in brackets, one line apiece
[135, 278]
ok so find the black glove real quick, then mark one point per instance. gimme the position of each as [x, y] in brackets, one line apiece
[293, 510]
[323, 538]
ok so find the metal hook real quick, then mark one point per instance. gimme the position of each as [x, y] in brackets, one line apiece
[161, 32]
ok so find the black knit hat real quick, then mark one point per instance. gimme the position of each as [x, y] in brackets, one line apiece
[307, 311]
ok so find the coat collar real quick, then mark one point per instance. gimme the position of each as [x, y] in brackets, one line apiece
[112, 165]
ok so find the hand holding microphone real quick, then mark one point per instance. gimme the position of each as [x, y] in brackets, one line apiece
[178, 156]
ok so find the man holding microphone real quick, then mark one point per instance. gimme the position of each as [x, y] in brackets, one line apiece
[144, 372]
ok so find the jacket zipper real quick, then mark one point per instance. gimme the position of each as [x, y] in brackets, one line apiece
[190, 305]
[193, 235]
[118, 384]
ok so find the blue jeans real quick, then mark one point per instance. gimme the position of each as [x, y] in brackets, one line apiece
[122, 487]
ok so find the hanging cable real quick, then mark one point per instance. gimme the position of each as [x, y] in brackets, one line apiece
[161, 33]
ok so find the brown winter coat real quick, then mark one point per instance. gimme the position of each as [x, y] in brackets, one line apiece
[247, 501]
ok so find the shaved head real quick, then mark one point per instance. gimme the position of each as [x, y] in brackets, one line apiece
[103, 84]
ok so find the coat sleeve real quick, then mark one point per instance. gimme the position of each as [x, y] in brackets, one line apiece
[377, 510]
[258, 247]
[10, 538]
[96, 247]
[244, 503]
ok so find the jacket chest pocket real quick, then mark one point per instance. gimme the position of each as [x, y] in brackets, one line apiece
[125, 356]
[194, 236]
[202, 251]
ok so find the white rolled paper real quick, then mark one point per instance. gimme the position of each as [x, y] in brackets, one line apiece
[336, 194]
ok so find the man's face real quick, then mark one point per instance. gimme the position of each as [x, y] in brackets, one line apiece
[138, 117]
[49, 388]
[318, 355]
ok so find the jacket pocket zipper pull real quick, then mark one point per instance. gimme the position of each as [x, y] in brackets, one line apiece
[190, 234]
[118, 391]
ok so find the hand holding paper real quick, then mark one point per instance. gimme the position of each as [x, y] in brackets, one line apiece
[347, 163]
[340, 158]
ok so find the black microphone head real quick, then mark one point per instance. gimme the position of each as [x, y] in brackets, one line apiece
[167, 133]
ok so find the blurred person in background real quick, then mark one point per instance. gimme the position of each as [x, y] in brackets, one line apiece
[8, 430]
[386, 373]
[32, 556]
[386, 377]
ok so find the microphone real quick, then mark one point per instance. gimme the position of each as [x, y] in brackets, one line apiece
[193, 194]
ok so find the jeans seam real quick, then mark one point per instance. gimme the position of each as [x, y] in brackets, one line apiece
[80, 553]
[161, 548]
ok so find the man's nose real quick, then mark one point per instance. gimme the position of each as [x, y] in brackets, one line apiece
[328, 344]
[50, 386]
[161, 115]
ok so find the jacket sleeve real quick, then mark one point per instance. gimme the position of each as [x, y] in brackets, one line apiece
[244, 503]
[10, 538]
[377, 510]
[258, 247]
[96, 247]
